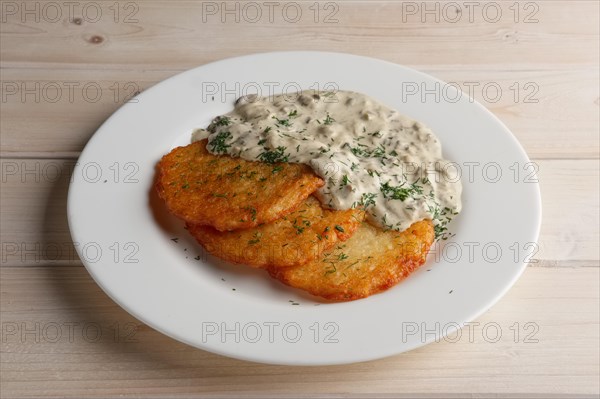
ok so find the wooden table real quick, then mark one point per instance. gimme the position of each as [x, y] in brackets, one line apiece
[67, 66]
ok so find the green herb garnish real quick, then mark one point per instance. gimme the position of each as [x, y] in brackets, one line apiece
[282, 122]
[218, 144]
[401, 192]
[255, 238]
[367, 199]
[222, 121]
[273, 156]
[366, 153]
[345, 181]
[441, 218]
[252, 212]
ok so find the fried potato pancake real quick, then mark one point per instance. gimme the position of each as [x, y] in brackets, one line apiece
[293, 240]
[371, 261]
[230, 193]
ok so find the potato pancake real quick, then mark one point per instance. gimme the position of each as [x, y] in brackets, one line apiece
[371, 261]
[293, 240]
[230, 193]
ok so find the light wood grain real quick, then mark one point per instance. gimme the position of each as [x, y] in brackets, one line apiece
[558, 56]
[63, 108]
[146, 362]
[554, 114]
[34, 230]
[170, 34]
[570, 209]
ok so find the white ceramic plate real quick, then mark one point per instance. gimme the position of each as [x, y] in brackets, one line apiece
[127, 240]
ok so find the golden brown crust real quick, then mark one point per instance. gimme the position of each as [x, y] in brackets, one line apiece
[371, 261]
[293, 240]
[230, 193]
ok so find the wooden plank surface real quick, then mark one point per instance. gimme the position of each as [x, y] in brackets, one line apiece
[100, 350]
[35, 232]
[69, 105]
[166, 34]
[62, 75]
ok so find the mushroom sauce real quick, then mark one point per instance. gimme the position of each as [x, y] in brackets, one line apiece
[369, 155]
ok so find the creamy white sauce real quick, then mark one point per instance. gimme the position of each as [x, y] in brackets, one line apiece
[369, 155]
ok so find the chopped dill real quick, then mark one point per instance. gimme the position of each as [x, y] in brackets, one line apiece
[218, 144]
[255, 238]
[367, 199]
[401, 192]
[345, 181]
[273, 156]
[222, 121]
[282, 122]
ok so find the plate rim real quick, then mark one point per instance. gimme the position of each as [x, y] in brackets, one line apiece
[213, 349]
